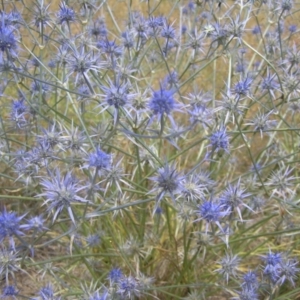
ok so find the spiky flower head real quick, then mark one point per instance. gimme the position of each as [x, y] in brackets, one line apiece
[284, 5]
[128, 287]
[47, 292]
[229, 266]
[110, 47]
[60, 192]
[65, 14]
[250, 280]
[10, 226]
[211, 211]
[9, 291]
[115, 275]
[234, 197]
[272, 268]
[41, 15]
[8, 42]
[162, 102]
[118, 96]
[219, 140]
[35, 223]
[9, 263]
[99, 159]
[243, 87]
[167, 182]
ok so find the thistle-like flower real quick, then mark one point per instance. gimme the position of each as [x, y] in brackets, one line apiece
[81, 62]
[41, 15]
[272, 269]
[99, 160]
[118, 96]
[10, 226]
[211, 212]
[9, 263]
[128, 288]
[98, 29]
[163, 103]
[65, 14]
[47, 293]
[9, 292]
[114, 275]
[234, 197]
[229, 266]
[243, 87]
[8, 41]
[270, 84]
[167, 182]
[35, 223]
[61, 193]
[219, 140]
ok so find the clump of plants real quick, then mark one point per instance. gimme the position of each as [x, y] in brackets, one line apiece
[149, 149]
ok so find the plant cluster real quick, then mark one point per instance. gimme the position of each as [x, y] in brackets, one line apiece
[149, 150]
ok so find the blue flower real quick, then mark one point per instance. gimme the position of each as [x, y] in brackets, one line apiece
[154, 25]
[163, 103]
[229, 266]
[172, 78]
[47, 292]
[9, 291]
[98, 29]
[118, 96]
[256, 30]
[35, 223]
[250, 280]
[242, 88]
[110, 47]
[285, 5]
[18, 107]
[167, 182]
[61, 192]
[168, 31]
[247, 294]
[272, 269]
[93, 240]
[270, 84]
[65, 14]
[115, 275]
[292, 28]
[41, 15]
[10, 226]
[219, 140]
[211, 212]
[8, 42]
[234, 197]
[273, 258]
[127, 39]
[289, 271]
[12, 18]
[128, 288]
